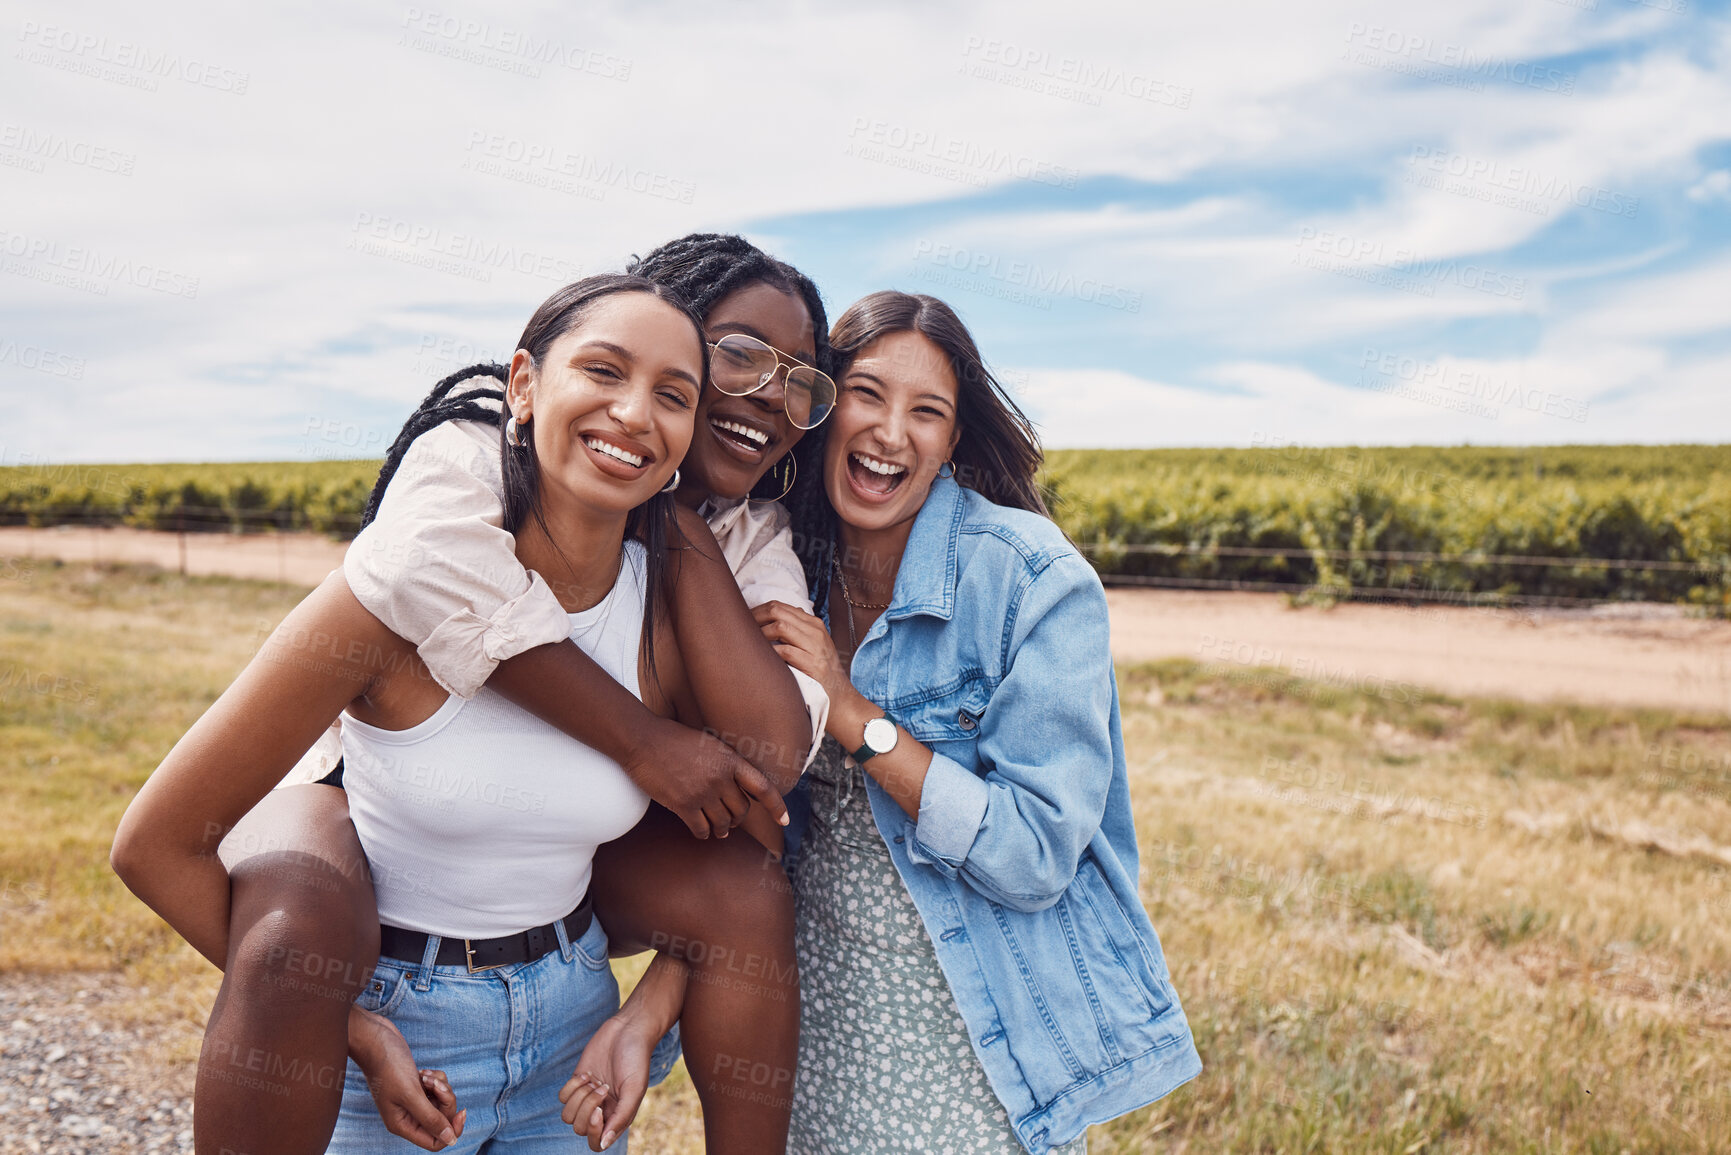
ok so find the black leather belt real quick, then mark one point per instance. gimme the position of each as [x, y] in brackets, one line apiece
[485, 954]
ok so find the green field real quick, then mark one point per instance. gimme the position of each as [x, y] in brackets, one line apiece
[1398, 925]
[1460, 525]
[1668, 506]
[320, 496]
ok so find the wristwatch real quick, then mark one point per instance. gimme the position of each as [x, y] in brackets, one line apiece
[880, 738]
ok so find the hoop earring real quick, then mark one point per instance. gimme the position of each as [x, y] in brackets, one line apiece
[671, 485]
[514, 432]
[952, 467]
[792, 472]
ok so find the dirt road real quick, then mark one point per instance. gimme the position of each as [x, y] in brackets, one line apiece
[1634, 655]
[1648, 655]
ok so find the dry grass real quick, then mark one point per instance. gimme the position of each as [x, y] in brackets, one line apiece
[1397, 925]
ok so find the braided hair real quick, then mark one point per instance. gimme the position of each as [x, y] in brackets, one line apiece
[435, 409]
[654, 523]
[700, 268]
[704, 268]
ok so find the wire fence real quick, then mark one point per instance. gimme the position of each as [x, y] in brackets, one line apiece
[1164, 550]
[1414, 576]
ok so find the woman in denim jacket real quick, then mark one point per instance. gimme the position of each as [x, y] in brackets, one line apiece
[977, 970]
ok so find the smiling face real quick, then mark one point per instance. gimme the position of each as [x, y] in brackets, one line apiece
[894, 425]
[611, 406]
[739, 439]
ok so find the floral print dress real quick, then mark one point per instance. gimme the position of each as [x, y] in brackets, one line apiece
[885, 1064]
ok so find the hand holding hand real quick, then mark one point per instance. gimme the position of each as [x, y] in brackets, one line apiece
[700, 778]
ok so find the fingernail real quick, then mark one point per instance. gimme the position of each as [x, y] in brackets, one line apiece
[782, 820]
[606, 1140]
[447, 1136]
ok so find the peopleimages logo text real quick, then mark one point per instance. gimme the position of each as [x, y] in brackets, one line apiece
[964, 155]
[1522, 180]
[1368, 253]
[476, 251]
[513, 42]
[1028, 275]
[1419, 56]
[53, 146]
[103, 268]
[136, 57]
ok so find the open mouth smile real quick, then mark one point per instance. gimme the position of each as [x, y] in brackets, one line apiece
[614, 459]
[874, 478]
[744, 440]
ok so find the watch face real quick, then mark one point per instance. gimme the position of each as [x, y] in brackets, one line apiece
[880, 735]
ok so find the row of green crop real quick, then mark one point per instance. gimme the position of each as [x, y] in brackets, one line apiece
[1166, 515]
[318, 496]
[1163, 514]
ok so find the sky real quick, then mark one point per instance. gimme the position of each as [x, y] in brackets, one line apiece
[237, 234]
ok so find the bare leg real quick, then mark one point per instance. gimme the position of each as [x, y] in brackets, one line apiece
[725, 908]
[303, 938]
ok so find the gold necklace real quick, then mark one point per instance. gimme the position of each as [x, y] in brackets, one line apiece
[852, 641]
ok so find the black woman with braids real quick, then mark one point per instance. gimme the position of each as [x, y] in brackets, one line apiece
[435, 566]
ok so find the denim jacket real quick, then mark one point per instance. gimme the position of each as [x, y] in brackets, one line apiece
[1023, 862]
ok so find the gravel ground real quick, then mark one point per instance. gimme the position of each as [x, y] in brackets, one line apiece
[73, 1084]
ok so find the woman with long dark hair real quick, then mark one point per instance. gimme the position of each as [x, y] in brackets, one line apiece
[978, 972]
[494, 968]
[436, 563]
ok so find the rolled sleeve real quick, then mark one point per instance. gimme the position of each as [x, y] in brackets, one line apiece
[952, 806]
[463, 650]
[437, 567]
[816, 708]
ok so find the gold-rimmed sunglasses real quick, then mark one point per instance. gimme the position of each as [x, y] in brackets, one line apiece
[741, 364]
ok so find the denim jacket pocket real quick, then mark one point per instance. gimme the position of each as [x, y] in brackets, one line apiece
[1120, 960]
[1081, 988]
[948, 714]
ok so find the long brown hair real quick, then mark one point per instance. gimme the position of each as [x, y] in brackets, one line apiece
[653, 523]
[997, 451]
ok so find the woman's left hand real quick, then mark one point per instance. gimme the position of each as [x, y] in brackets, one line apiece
[602, 1096]
[801, 641]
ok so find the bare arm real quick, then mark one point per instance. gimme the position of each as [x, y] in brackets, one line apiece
[437, 567]
[747, 695]
[327, 652]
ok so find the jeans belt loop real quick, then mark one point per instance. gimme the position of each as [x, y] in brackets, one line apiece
[566, 950]
[424, 972]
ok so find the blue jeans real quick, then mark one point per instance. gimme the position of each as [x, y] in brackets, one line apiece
[507, 1039]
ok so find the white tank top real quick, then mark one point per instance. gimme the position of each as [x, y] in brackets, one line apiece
[483, 820]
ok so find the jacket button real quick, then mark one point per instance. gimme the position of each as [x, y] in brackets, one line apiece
[965, 719]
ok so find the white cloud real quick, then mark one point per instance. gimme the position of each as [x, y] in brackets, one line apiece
[1445, 402]
[1715, 186]
[410, 121]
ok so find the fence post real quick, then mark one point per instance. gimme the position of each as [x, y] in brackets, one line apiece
[180, 527]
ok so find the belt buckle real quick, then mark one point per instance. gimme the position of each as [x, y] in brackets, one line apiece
[469, 958]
